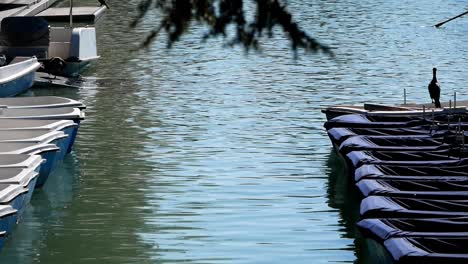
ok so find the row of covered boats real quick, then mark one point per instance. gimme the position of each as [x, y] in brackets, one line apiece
[35, 135]
[412, 170]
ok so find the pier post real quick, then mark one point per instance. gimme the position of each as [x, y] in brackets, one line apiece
[71, 13]
[454, 99]
[404, 96]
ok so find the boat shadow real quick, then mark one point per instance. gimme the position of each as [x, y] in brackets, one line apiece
[344, 196]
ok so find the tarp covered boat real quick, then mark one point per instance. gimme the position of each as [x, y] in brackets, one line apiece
[381, 109]
[377, 121]
[402, 207]
[447, 250]
[339, 134]
[398, 143]
[407, 172]
[438, 189]
[444, 157]
[382, 229]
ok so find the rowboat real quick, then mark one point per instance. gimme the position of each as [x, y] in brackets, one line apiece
[386, 228]
[48, 152]
[434, 250]
[17, 76]
[407, 109]
[411, 172]
[446, 157]
[40, 102]
[391, 121]
[403, 207]
[417, 188]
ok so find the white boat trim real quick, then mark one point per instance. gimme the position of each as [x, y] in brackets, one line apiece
[34, 65]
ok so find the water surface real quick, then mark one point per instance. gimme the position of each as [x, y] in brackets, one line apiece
[202, 154]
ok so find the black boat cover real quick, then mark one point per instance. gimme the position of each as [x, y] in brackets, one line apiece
[339, 134]
[364, 121]
[447, 250]
[438, 189]
[389, 121]
[402, 207]
[414, 158]
[396, 143]
[24, 31]
[383, 229]
[441, 171]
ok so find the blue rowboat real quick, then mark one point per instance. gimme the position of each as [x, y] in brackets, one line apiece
[2, 239]
[48, 152]
[20, 161]
[13, 195]
[39, 102]
[61, 113]
[9, 163]
[17, 76]
[38, 136]
[26, 177]
[68, 127]
[8, 218]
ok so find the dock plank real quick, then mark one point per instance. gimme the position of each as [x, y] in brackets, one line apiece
[80, 14]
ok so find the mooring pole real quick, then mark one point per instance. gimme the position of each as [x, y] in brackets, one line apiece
[71, 13]
[454, 99]
[404, 96]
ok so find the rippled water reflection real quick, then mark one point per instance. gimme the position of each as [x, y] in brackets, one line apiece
[201, 154]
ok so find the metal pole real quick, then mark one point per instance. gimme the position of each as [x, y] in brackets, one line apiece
[71, 13]
[404, 92]
[454, 99]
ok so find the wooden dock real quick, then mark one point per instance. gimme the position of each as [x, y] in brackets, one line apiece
[88, 14]
[23, 7]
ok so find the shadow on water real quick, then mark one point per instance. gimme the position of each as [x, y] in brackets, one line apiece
[343, 195]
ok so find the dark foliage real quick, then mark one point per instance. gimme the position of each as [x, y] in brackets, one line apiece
[218, 15]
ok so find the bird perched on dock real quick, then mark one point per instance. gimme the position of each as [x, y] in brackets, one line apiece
[103, 3]
[3, 60]
[55, 66]
[434, 89]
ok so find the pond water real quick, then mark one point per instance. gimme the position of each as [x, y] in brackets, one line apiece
[205, 154]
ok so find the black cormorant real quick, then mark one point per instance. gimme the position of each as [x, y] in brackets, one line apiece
[55, 66]
[103, 2]
[434, 89]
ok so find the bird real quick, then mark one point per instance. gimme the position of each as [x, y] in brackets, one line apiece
[434, 89]
[55, 66]
[3, 60]
[103, 2]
